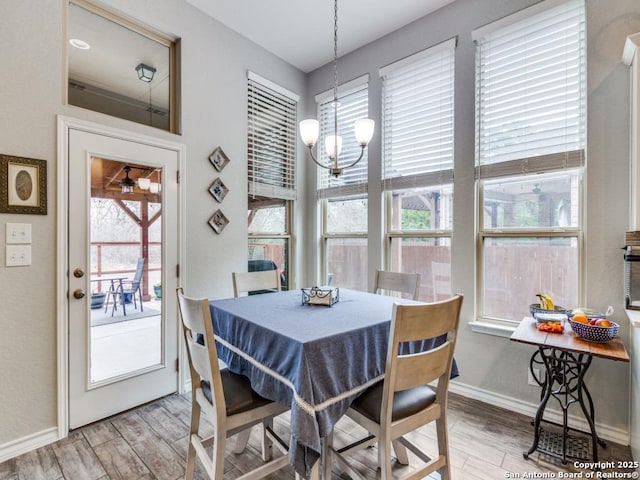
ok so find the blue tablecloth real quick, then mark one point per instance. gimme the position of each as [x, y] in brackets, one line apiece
[316, 359]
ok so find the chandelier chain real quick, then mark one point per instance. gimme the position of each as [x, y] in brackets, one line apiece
[335, 79]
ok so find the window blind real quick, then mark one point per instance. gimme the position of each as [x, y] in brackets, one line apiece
[530, 91]
[417, 119]
[272, 115]
[353, 104]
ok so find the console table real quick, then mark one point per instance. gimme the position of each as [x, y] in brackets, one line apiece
[566, 359]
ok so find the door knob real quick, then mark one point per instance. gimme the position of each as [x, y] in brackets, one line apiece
[78, 273]
[78, 293]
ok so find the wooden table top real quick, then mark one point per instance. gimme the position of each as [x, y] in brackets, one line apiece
[527, 332]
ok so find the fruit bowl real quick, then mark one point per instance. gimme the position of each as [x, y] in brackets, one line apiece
[595, 333]
[537, 308]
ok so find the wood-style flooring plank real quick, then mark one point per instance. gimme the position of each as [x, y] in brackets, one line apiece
[120, 461]
[78, 460]
[150, 443]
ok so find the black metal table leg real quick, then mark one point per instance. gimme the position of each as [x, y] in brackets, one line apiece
[564, 381]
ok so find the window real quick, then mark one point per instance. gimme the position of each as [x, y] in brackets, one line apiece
[417, 136]
[101, 78]
[344, 199]
[531, 130]
[271, 173]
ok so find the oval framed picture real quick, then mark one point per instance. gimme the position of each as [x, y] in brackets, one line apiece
[23, 185]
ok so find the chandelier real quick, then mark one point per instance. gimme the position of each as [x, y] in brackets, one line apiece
[310, 128]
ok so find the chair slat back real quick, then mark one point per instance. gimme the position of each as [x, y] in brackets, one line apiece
[201, 347]
[253, 281]
[137, 278]
[421, 322]
[407, 283]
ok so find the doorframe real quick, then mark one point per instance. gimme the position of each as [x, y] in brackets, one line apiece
[64, 124]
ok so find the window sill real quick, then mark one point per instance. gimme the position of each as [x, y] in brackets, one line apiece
[492, 329]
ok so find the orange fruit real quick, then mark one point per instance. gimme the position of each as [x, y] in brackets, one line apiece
[580, 318]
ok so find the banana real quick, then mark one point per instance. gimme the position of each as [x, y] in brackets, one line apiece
[545, 301]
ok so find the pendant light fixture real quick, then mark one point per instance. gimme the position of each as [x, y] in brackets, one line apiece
[127, 184]
[310, 128]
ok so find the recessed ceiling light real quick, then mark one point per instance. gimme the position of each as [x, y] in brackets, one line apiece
[81, 44]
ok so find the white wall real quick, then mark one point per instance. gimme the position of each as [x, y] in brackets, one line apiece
[214, 97]
[493, 367]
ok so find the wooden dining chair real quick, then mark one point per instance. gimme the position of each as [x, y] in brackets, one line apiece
[403, 283]
[251, 282]
[227, 399]
[414, 390]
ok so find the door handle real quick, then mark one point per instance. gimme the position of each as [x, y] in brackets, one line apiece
[78, 293]
[78, 273]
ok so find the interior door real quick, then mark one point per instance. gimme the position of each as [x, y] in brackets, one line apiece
[123, 255]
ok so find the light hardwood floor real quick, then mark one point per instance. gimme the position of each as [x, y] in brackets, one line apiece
[150, 442]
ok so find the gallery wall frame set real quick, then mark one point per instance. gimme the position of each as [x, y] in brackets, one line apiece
[218, 190]
[23, 185]
[218, 159]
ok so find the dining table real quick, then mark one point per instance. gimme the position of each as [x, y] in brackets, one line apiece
[314, 358]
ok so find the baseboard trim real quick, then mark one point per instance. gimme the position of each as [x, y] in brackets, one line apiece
[605, 432]
[25, 444]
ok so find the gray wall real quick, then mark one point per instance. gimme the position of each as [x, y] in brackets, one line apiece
[214, 97]
[492, 366]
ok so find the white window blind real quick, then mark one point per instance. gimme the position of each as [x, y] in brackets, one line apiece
[530, 91]
[353, 104]
[272, 118]
[417, 119]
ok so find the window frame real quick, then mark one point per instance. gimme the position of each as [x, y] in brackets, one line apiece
[287, 192]
[524, 168]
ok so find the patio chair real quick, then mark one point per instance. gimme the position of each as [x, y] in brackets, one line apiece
[129, 288]
[226, 398]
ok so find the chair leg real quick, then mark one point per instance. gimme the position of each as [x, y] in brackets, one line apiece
[384, 457]
[217, 456]
[191, 453]
[401, 452]
[242, 439]
[443, 447]
[140, 297]
[267, 447]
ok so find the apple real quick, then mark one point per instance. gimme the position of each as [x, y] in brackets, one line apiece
[593, 321]
[602, 322]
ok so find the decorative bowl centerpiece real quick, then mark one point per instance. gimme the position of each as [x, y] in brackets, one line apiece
[595, 333]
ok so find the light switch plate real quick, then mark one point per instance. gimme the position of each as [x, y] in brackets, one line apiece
[18, 233]
[18, 255]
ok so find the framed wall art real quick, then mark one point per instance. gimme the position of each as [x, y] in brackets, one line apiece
[218, 221]
[23, 185]
[218, 159]
[218, 190]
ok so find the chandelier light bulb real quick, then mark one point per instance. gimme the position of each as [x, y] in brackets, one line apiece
[329, 145]
[364, 131]
[309, 131]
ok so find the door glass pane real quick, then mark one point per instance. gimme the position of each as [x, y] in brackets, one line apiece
[125, 311]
